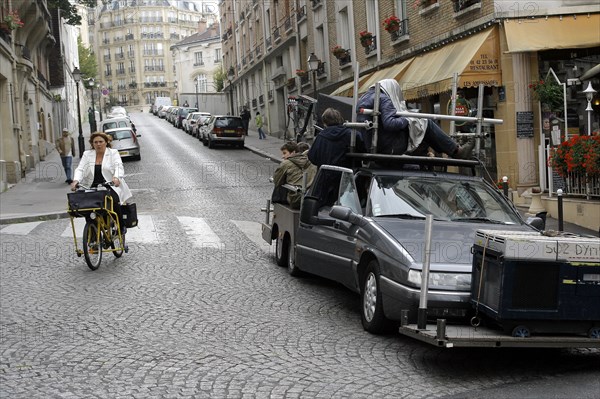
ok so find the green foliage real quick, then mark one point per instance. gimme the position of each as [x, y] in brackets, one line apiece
[88, 65]
[219, 77]
[69, 11]
[548, 92]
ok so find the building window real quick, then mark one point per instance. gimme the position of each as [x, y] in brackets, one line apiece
[217, 55]
[198, 59]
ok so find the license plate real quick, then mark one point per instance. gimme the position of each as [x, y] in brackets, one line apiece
[121, 153]
[229, 131]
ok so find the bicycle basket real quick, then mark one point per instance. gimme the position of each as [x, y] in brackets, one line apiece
[82, 203]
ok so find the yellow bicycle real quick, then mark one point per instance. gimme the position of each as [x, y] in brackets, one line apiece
[102, 231]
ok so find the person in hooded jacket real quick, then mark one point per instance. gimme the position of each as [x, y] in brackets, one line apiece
[291, 171]
[399, 135]
[333, 143]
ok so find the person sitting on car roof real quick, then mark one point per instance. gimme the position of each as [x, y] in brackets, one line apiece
[399, 135]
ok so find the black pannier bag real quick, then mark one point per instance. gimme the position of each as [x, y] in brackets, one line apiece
[81, 203]
[129, 214]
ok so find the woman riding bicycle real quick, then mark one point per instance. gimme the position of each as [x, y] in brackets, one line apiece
[103, 164]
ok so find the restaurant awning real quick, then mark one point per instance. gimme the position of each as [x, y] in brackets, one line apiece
[561, 32]
[392, 72]
[476, 59]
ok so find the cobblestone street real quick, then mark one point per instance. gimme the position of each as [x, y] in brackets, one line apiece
[198, 308]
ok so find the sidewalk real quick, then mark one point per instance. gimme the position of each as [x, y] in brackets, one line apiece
[42, 195]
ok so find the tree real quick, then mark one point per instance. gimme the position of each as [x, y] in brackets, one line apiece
[88, 65]
[68, 11]
[218, 79]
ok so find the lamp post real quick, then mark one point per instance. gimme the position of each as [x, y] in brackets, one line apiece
[99, 101]
[230, 76]
[92, 86]
[77, 78]
[313, 65]
[589, 95]
[197, 80]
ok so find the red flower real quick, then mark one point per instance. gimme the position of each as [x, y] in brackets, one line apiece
[580, 154]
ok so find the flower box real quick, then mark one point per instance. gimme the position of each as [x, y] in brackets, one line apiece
[339, 52]
[391, 24]
[366, 38]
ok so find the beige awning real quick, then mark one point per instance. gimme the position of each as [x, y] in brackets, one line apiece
[392, 72]
[476, 60]
[568, 31]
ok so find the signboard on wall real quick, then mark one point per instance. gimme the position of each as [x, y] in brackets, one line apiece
[524, 124]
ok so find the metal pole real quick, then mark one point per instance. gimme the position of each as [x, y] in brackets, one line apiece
[231, 97]
[80, 138]
[315, 94]
[505, 186]
[197, 92]
[93, 118]
[422, 315]
[559, 194]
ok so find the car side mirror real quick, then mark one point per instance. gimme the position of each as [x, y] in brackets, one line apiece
[310, 210]
[344, 213]
[537, 223]
[138, 135]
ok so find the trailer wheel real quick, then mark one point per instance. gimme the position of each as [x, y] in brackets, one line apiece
[594, 333]
[371, 315]
[521, 332]
[281, 251]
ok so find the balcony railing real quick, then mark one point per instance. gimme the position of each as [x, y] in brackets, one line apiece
[287, 24]
[129, 36]
[119, 56]
[402, 30]
[261, 99]
[371, 48]
[120, 71]
[460, 5]
[131, 69]
[198, 63]
[131, 54]
[107, 73]
[276, 34]
[301, 14]
[254, 103]
[107, 57]
[268, 43]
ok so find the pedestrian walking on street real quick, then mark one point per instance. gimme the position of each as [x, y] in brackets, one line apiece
[66, 148]
[245, 115]
[259, 124]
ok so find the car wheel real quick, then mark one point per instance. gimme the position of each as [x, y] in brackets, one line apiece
[211, 144]
[291, 261]
[372, 317]
[204, 142]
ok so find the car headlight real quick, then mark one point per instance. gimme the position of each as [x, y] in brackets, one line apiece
[449, 281]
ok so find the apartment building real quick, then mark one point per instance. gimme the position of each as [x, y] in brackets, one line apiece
[26, 115]
[134, 38]
[501, 45]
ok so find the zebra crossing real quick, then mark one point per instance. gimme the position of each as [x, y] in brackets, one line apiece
[198, 230]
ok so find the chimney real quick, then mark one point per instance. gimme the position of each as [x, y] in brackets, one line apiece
[215, 30]
[202, 25]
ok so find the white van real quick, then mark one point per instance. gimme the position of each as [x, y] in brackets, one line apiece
[114, 123]
[160, 101]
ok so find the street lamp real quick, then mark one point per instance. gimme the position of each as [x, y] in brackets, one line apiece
[77, 79]
[313, 65]
[589, 95]
[92, 115]
[230, 76]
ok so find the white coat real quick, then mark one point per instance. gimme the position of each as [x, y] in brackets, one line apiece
[112, 166]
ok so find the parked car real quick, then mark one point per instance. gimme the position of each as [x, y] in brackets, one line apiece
[163, 110]
[200, 124]
[126, 141]
[158, 101]
[190, 121]
[171, 115]
[223, 129]
[182, 113]
[117, 111]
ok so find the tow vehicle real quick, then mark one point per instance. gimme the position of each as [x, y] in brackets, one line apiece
[374, 239]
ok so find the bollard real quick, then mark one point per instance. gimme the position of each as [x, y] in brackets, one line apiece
[505, 186]
[422, 312]
[559, 194]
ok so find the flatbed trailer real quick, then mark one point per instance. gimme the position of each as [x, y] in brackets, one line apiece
[464, 336]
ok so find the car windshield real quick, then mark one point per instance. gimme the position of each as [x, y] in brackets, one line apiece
[121, 135]
[445, 199]
[228, 122]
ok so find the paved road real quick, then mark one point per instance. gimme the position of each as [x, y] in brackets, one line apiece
[198, 308]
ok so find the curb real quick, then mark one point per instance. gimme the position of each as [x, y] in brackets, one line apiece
[34, 218]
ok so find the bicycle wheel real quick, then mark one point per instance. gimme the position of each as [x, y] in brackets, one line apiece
[92, 244]
[116, 244]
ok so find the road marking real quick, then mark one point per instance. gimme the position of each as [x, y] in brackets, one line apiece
[20, 229]
[146, 232]
[253, 231]
[199, 231]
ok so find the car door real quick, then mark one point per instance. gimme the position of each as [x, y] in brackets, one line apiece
[327, 249]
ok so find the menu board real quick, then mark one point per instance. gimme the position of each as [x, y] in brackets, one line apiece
[525, 124]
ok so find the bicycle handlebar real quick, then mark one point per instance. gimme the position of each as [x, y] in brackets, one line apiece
[105, 184]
